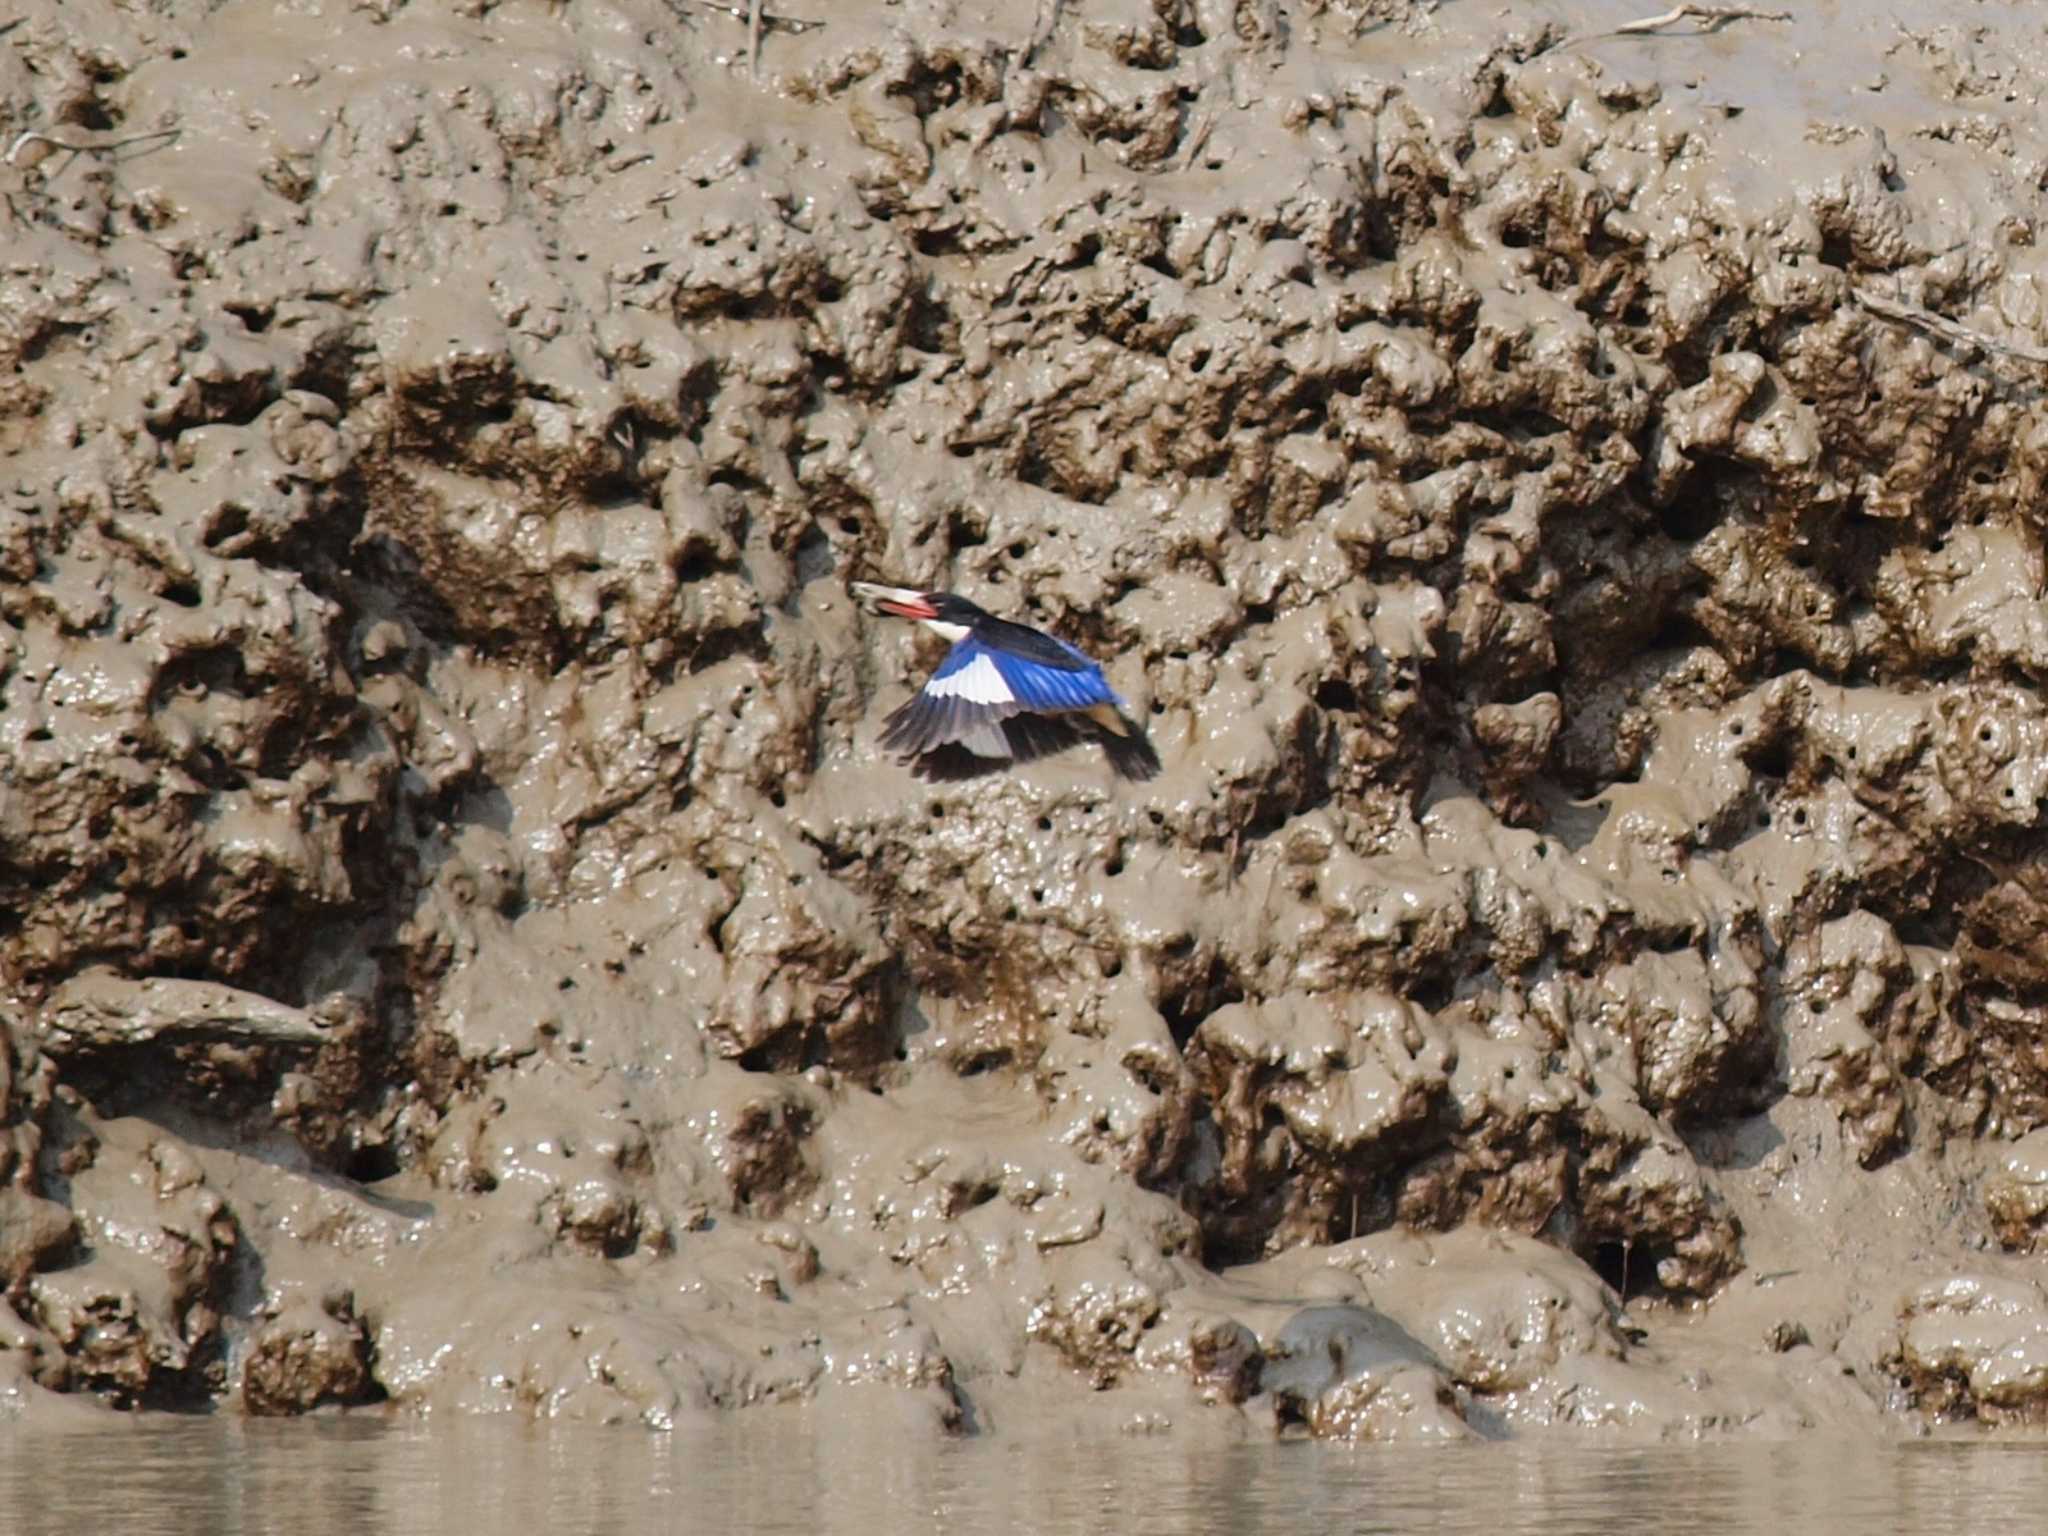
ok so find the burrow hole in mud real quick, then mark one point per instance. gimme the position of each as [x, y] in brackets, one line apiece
[1690, 517]
[255, 318]
[1434, 992]
[1629, 1268]
[1083, 253]
[979, 1062]
[1335, 694]
[962, 534]
[785, 1055]
[92, 114]
[372, 1163]
[232, 521]
[1773, 760]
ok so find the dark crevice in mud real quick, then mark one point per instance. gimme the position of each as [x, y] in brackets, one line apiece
[1337, 695]
[928, 323]
[1728, 327]
[1692, 514]
[1192, 989]
[1678, 631]
[722, 645]
[783, 1055]
[137, 1079]
[230, 403]
[1432, 992]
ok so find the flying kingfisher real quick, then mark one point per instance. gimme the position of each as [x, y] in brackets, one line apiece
[1005, 693]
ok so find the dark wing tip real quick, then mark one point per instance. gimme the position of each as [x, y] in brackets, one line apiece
[1030, 737]
[1034, 736]
[1131, 756]
[952, 763]
[913, 725]
[924, 730]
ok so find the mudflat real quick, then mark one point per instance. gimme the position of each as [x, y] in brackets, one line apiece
[1560, 485]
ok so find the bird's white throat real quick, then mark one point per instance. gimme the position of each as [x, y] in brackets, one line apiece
[944, 630]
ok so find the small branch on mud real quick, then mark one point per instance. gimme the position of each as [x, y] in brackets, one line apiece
[754, 40]
[1949, 330]
[759, 20]
[1711, 18]
[106, 147]
[18, 180]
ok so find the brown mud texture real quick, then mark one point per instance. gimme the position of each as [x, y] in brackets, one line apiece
[1566, 501]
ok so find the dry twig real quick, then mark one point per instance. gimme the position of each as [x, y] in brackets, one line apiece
[106, 147]
[1711, 18]
[1949, 330]
[768, 22]
[18, 178]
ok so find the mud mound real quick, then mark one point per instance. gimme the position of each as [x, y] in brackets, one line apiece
[1565, 499]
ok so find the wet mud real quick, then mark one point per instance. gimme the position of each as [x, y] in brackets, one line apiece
[1565, 504]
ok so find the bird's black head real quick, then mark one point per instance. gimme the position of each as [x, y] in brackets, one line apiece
[951, 608]
[945, 608]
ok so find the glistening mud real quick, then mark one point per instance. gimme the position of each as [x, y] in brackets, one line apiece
[1543, 490]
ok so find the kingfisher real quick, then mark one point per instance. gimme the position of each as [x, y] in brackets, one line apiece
[1005, 693]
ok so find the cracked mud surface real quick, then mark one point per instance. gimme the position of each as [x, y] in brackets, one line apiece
[1580, 967]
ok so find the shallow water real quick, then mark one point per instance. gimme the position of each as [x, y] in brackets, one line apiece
[772, 1473]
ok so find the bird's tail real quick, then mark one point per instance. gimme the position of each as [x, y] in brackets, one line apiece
[1129, 751]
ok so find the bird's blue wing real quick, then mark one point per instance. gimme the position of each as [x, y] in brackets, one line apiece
[987, 704]
[965, 652]
[993, 680]
[965, 700]
[1053, 690]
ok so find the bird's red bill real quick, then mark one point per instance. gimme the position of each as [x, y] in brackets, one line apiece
[899, 602]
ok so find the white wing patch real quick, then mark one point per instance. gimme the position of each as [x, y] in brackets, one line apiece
[979, 682]
[985, 740]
